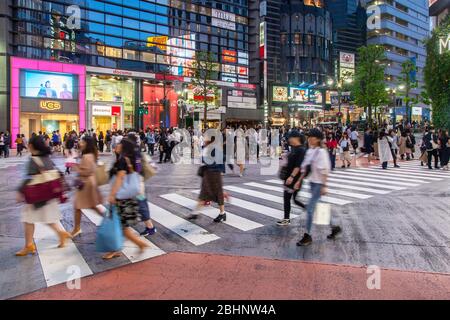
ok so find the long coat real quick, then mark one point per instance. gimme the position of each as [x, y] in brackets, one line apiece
[89, 196]
[403, 148]
[384, 150]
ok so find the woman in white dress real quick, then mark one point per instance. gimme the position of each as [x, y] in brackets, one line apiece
[44, 212]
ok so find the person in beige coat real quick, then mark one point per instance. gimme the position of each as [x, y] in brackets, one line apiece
[88, 195]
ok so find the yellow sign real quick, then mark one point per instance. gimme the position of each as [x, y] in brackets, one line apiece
[160, 42]
[50, 105]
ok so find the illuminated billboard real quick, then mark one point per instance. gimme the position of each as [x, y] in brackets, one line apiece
[280, 94]
[299, 94]
[182, 55]
[37, 84]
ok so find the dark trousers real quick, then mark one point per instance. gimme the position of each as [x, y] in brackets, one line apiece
[151, 148]
[431, 154]
[394, 156]
[287, 196]
[333, 160]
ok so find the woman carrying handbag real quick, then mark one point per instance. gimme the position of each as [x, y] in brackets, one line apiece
[88, 195]
[126, 186]
[41, 212]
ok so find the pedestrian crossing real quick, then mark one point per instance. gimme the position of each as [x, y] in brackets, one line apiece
[12, 161]
[252, 205]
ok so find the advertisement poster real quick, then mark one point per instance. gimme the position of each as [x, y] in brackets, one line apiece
[229, 56]
[48, 85]
[182, 54]
[280, 94]
[299, 94]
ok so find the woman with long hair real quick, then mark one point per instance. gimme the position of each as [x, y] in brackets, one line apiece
[43, 212]
[128, 209]
[87, 195]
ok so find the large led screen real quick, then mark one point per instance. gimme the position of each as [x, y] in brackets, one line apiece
[36, 84]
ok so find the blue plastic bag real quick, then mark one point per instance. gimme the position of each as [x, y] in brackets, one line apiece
[109, 233]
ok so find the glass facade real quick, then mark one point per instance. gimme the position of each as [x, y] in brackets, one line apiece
[143, 35]
[113, 89]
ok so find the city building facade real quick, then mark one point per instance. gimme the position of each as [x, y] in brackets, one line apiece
[402, 26]
[295, 49]
[107, 60]
[439, 9]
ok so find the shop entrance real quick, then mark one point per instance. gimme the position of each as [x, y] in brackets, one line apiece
[105, 116]
[47, 123]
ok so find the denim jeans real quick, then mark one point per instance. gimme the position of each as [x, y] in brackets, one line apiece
[315, 197]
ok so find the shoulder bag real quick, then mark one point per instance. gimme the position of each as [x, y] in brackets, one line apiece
[45, 186]
[101, 175]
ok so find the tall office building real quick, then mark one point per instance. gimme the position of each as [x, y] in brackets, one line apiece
[295, 50]
[124, 56]
[349, 26]
[404, 24]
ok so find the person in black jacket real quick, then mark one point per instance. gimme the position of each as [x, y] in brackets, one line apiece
[293, 172]
[430, 141]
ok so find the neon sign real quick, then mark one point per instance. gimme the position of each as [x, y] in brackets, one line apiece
[50, 105]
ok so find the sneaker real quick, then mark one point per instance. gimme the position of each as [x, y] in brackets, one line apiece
[396, 166]
[148, 232]
[305, 241]
[334, 232]
[284, 222]
[192, 217]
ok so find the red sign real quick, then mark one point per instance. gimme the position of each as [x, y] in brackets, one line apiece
[229, 56]
[245, 86]
[115, 110]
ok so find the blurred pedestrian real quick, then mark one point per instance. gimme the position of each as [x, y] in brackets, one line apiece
[47, 212]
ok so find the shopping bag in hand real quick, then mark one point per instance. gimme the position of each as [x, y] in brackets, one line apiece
[322, 215]
[109, 233]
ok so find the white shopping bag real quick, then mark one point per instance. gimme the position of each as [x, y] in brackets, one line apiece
[322, 215]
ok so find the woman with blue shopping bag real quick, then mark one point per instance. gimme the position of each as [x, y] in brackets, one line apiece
[125, 188]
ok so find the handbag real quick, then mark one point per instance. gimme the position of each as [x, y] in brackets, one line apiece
[109, 233]
[45, 186]
[434, 145]
[147, 169]
[130, 186]
[201, 171]
[284, 173]
[101, 175]
[322, 215]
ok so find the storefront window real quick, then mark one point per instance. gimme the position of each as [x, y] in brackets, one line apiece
[113, 89]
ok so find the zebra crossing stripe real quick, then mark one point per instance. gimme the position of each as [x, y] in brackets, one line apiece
[277, 199]
[185, 229]
[341, 186]
[233, 220]
[307, 186]
[56, 262]
[416, 172]
[251, 206]
[361, 183]
[363, 177]
[424, 172]
[130, 250]
[396, 176]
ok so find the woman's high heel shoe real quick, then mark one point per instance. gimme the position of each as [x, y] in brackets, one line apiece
[31, 249]
[221, 217]
[63, 236]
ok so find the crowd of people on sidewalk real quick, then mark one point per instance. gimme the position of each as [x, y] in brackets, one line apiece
[308, 156]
